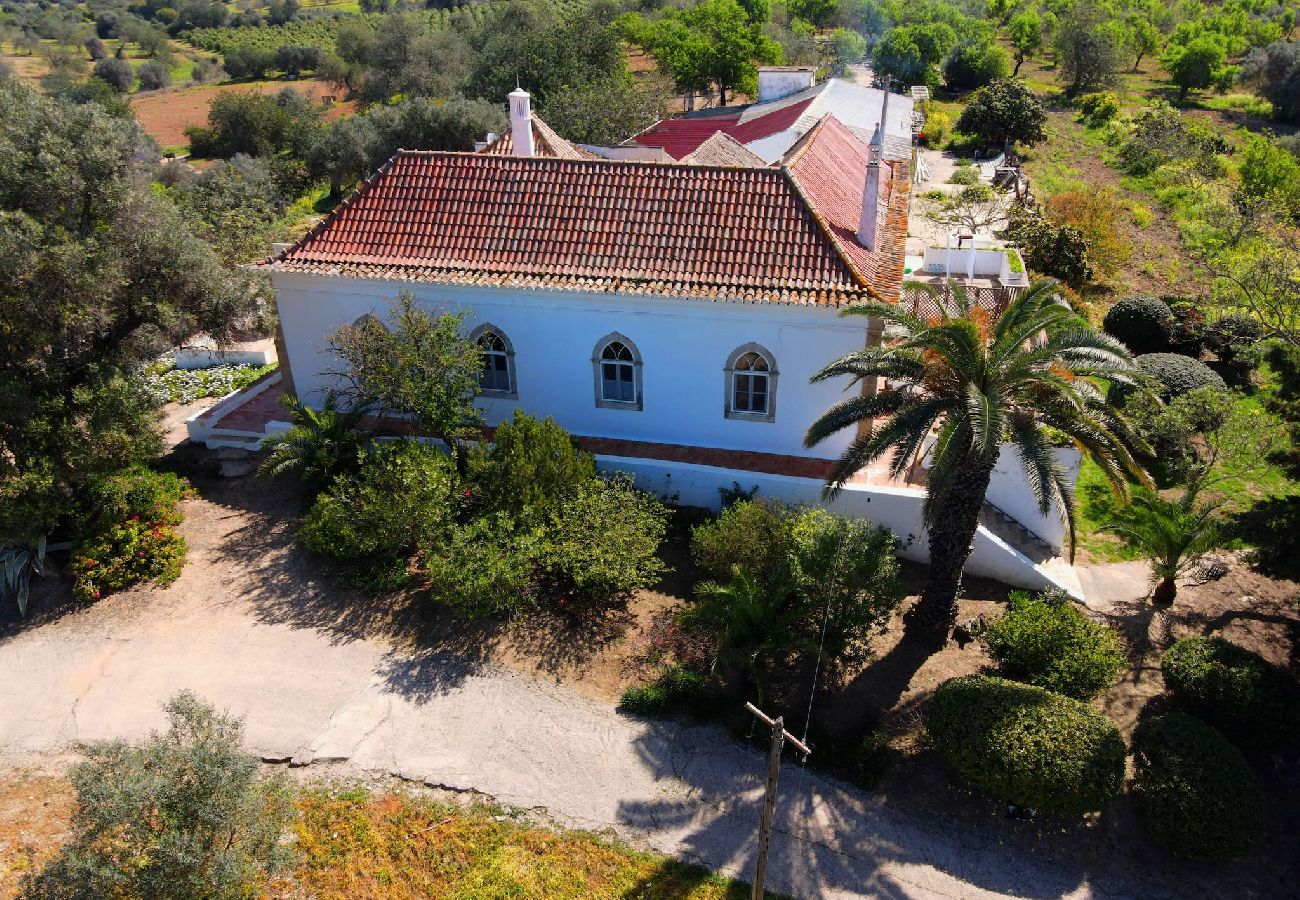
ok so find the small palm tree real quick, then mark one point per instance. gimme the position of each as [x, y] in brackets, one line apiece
[1172, 534]
[979, 384]
[320, 445]
[755, 624]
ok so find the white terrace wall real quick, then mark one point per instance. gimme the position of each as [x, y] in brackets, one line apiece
[684, 345]
[898, 509]
[1009, 492]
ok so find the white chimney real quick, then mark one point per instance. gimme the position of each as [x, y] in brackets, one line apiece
[521, 123]
[869, 217]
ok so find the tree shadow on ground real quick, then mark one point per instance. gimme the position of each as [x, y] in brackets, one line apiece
[827, 837]
[431, 650]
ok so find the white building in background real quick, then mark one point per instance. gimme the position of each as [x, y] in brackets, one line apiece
[668, 315]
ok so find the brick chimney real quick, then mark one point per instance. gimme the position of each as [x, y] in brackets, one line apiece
[521, 123]
[869, 217]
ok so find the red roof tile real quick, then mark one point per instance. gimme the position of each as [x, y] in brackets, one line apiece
[818, 163]
[681, 137]
[781, 235]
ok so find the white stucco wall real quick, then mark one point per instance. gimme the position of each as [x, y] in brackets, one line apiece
[898, 509]
[684, 345]
[1009, 492]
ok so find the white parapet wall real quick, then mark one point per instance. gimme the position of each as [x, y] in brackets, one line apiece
[1009, 492]
[896, 508]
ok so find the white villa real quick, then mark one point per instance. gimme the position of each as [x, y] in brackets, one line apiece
[668, 313]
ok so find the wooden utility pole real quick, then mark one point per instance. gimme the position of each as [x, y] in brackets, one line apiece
[779, 737]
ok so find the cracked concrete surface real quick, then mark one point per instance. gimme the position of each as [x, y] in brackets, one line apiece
[310, 694]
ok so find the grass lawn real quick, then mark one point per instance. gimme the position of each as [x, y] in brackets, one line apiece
[357, 845]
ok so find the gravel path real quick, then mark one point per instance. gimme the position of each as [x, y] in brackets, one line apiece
[238, 629]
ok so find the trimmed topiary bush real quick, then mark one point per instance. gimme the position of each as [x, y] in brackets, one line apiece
[1143, 324]
[1194, 789]
[1027, 745]
[1179, 374]
[1046, 641]
[1239, 692]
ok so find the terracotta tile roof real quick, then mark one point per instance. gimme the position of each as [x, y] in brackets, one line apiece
[818, 164]
[723, 150]
[679, 138]
[769, 129]
[783, 235]
[546, 142]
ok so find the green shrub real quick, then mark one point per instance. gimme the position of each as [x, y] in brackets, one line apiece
[130, 552]
[137, 493]
[1143, 324]
[486, 567]
[1046, 641]
[529, 469]
[400, 495]
[673, 690]
[1026, 745]
[1099, 108]
[965, 176]
[126, 533]
[1194, 789]
[798, 562]
[604, 541]
[1176, 374]
[1235, 340]
[183, 815]
[750, 534]
[1236, 691]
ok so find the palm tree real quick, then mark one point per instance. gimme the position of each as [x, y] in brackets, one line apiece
[755, 623]
[1172, 534]
[321, 444]
[981, 384]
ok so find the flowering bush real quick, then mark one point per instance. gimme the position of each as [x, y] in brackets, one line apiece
[127, 553]
[169, 384]
[128, 534]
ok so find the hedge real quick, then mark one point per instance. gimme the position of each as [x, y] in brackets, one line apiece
[1143, 324]
[1046, 641]
[1239, 692]
[1194, 790]
[1178, 374]
[1026, 745]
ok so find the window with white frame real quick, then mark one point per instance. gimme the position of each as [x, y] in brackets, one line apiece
[618, 373]
[751, 384]
[498, 376]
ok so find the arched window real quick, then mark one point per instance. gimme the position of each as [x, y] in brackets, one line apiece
[498, 376]
[617, 366]
[751, 384]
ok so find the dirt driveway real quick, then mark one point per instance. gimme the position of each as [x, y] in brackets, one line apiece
[326, 679]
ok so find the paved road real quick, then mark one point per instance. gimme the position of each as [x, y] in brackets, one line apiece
[238, 629]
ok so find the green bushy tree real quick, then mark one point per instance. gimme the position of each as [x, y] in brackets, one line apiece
[182, 815]
[400, 495]
[423, 367]
[1002, 114]
[99, 273]
[530, 468]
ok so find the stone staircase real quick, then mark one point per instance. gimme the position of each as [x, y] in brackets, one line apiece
[1046, 559]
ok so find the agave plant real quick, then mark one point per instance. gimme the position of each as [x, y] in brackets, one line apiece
[981, 383]
[1172, 534]
[321, 444]
[17, 565]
